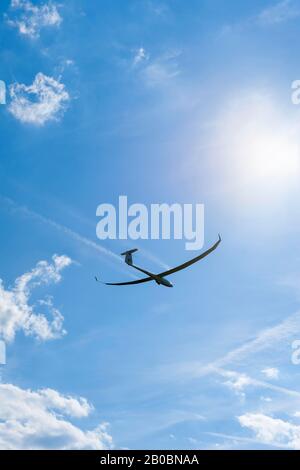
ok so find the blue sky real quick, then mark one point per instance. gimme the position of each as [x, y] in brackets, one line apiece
[162, 101]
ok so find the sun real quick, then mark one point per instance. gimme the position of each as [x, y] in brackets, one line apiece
[270, 157]
[260, 148]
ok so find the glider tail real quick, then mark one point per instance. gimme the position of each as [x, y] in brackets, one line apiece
[128, 256]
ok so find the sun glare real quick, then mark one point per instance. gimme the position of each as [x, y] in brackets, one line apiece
[270, 157]
[261, 148]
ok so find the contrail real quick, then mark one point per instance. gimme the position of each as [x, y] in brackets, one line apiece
[100, 249]
[61, 228]
[156, 260]
[264, 340]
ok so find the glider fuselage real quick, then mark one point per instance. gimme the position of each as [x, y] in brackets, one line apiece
[162, 281]
[158, 279]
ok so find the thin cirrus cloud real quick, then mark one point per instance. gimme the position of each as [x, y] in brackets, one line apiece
[40, 102]
[156, 71]
[16, 314]
[30, 19]
[42, 419]
[281, 12]
[264, 340]
[162, 70]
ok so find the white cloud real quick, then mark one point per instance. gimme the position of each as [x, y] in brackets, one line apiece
[272, 431]
[41, 420]
[237, 382]
[40, 102]
[271, 372]
[140, 56]
[69, 62]
[30, 19]
[266, 399]
[15, 312]
[279, 13]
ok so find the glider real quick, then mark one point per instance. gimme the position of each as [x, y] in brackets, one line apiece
[160, 278]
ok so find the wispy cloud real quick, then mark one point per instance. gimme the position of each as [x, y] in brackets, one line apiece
[279, 13]
[266, 339]
[276, 14]
[157, 8]
[42, 420]
[161, 70]
[40, 102]
[30, 19]
[237, 440]
[17, 314]
[238, 382]
[155, 71]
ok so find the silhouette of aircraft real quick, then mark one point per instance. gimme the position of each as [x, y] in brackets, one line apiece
[160, 278]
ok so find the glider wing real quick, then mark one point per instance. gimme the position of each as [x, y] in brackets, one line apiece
[191, 261]
[137, 281]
